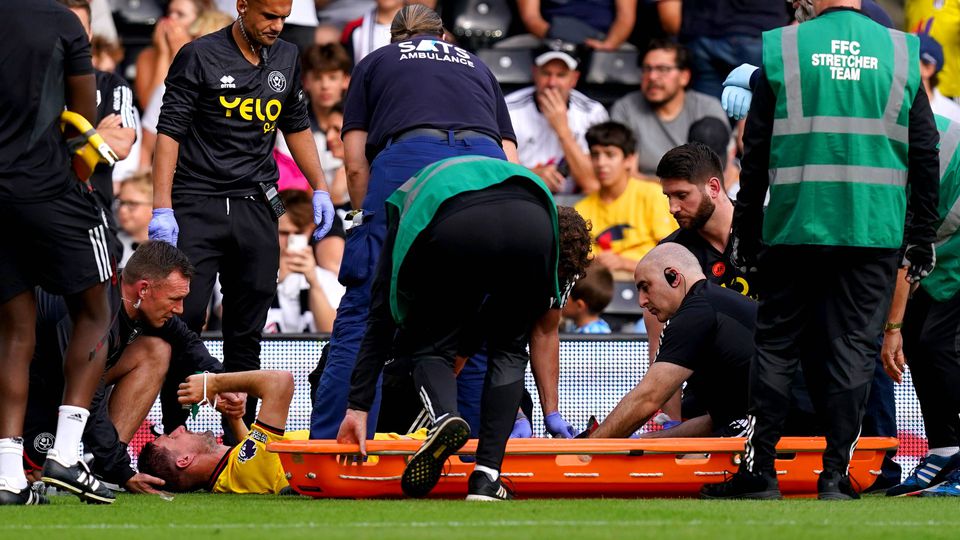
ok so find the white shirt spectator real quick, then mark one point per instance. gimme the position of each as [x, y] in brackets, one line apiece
[537, 144]
[151, 114]
[366, 37]
[293, 315]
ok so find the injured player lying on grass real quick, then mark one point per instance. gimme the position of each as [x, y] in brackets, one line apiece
[189, 461]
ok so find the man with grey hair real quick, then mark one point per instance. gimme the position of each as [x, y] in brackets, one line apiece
[707, 342]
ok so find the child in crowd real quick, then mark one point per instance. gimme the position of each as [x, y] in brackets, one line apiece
[134, 207]
[589, 297]
[629, 215]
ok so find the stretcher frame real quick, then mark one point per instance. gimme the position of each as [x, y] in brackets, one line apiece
[554, 468]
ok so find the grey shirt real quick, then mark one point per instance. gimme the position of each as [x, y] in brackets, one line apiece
[654, 136]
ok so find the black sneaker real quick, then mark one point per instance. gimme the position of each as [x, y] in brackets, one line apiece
[481, 488]
[833, 486]
[424, 470]
[76, 479]
[25, 496]
[744, 485]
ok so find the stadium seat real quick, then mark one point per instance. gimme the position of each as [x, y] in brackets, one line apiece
[510, 66]
[624, 300]
[613, 67]
[137, 11]
[479, 23]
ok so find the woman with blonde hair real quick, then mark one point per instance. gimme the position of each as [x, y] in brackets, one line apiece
[169, 35]
[208, 22]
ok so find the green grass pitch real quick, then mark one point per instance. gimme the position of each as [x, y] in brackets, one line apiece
[273, 518]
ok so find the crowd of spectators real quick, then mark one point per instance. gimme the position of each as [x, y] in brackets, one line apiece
[595, 144]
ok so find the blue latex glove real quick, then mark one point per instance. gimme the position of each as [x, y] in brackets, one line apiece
[740, 76]
[521, 428]
[558, 427]
[164, 226]
[322, 213]
[736, 102]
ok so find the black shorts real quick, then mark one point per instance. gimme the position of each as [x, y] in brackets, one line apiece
[62, 245]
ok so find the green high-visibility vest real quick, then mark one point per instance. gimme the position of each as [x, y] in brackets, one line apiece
[844, 86]
[414, 204]
[944, 282]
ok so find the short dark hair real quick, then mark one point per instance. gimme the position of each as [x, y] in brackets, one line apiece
[78, 4]
[694, 162]
[683, 56]
[714, 133]
[299, 205]
[612, 134]
[595, 288]
[326, 57]
[575, 245]
[160, 462]
[155, 260]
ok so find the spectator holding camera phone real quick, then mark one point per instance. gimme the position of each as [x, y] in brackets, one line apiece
[307, 295]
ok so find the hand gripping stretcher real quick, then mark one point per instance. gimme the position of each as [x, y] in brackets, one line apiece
[552, 468]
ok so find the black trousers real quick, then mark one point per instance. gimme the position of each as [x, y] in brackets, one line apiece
[237, 238]
[480, 272]
[824, 308]
[931, 344]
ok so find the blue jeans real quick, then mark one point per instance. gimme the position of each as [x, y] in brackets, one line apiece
[390, 169]
[711, 59]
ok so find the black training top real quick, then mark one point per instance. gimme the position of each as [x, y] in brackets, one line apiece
[114, 96]
[188, 354]
[712, 334]
[224, 112]
[42, 44]
[423, 83]
[716, 266]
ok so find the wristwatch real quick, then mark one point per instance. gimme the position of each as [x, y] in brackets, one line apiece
[892, 326]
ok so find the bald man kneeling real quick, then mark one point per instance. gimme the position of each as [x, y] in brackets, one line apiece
[707, 341]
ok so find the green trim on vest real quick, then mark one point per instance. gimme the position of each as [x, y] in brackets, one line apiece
[415, 203]
[844, 86]
[944, 282]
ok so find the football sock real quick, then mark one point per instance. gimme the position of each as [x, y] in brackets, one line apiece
[493, 474]
[11, 463]
[70, 426]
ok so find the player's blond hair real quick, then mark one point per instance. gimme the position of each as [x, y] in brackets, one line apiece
[414, 20]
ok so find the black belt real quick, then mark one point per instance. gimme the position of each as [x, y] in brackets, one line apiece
[442, 134]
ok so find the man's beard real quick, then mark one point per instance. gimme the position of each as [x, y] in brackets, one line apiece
[701, 216]
[804, 11]
[210, 441]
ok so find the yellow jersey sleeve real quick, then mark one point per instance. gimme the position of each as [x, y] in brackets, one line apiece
[249, 467]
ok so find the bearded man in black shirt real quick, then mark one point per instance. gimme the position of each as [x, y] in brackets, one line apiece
[691, 176]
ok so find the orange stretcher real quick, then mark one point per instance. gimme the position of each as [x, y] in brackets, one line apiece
[569, 467]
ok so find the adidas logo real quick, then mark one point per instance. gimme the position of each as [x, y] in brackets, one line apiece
[75, 416]
[227, 82]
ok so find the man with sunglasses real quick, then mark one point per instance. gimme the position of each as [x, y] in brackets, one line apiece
[662, 111]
